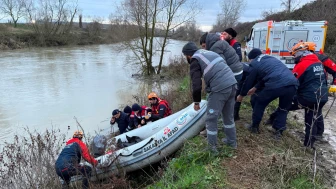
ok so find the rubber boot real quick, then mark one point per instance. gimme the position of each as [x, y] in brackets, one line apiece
[271, 119]
[253, 128]
[231, 137]
[212, 144]
[236, 111]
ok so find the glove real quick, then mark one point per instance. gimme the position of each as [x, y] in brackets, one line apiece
[148, 115]
[103, 162]
[332, 89]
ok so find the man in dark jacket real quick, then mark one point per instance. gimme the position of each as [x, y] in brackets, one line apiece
[221, 86]
[278, 82]
[67, 163]
[230, 35]
[140, 115]
[212, 42]
[122, 120]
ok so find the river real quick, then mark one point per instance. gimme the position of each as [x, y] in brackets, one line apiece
[44, 88]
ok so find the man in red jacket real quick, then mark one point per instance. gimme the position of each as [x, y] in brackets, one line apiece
[230, 35]
[67, 163]
[160, 107]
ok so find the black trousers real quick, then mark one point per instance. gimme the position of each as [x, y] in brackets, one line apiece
[265, 96]
[313, 119]
[67, 172]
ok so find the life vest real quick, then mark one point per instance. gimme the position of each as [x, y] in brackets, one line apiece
[141, 114]
[155, 108]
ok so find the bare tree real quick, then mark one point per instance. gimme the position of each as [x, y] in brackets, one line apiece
[290, 5]
[176, 13]
[80, 21]
[153, 17]
[13, 8]
[50, 17]
[230, 14]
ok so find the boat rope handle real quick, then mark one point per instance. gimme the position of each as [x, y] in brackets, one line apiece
[136, 149]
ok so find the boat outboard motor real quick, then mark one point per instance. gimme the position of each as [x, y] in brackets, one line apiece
[99, 145]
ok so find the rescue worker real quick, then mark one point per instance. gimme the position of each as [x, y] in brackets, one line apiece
[230, 35]
[212, 42]
[140, 114]
[274, 80]
[67, 163]
[312, 94]
[122, 120]
[221, 87]
[128, 112]
[330, 67]
[160, 108]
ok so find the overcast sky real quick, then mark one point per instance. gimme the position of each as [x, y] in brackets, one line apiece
[209, 9]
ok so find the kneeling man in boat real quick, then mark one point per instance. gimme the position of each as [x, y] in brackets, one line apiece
[140, 114]
[122, 120]
[160, 107]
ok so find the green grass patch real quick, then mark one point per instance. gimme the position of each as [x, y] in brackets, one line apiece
[195, 167]
[303, 182]
[185, 83]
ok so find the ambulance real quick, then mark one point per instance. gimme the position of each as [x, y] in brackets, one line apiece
[277, 38]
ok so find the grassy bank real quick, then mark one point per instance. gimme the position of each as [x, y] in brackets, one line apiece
[24, 36]
[259, 162]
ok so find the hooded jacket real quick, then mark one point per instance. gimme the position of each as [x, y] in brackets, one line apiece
[223, 48]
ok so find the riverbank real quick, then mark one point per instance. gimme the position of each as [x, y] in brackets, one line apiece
[23, 36]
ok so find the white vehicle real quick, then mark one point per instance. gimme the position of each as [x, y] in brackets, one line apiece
[277, 38]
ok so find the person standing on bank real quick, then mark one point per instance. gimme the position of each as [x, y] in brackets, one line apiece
[221, 86]
[212, 42]
[230, 35]
[276, 81]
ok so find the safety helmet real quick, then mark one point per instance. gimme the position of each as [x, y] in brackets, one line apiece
[311, 46]
[152, 95]
[301, 46]
[78, 134]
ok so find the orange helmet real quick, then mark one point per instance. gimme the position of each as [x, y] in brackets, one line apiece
[152, 95]
[311, 46]
[78, 134]
[301, 46]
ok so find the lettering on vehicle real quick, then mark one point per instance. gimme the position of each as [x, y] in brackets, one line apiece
[318, 68]
[182, 120]
[161, 140]
[317, 30]
[316, 38]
